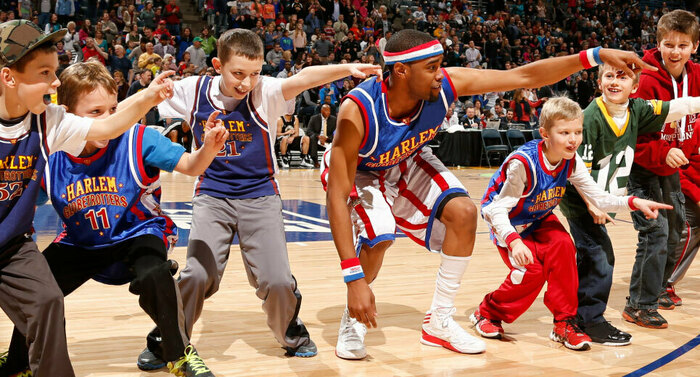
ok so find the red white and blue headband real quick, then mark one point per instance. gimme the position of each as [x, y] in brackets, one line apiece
[420, 52]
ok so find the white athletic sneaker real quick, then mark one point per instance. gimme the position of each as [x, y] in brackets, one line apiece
[441, 330]
[351, 338]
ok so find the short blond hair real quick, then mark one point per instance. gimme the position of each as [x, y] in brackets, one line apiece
[558, 108]
[82, 78]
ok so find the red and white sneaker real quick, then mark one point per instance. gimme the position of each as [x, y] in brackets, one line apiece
[441, 330]
[487, 328]
[568, 333]
[677, 301]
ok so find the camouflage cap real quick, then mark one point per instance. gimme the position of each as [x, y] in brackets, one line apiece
[18, 37]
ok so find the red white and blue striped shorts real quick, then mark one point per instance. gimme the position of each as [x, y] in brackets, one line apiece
[405, 196]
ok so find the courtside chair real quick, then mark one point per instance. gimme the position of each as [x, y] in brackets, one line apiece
[536, 133]
[491, 143]
[515, 139]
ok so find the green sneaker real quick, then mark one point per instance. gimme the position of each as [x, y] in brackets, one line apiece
[190, 365]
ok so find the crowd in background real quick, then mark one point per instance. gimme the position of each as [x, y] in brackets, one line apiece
[136, 39]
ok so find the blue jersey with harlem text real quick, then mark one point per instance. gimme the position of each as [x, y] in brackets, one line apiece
[542, 193]
[113, 195]
[245, 168]
[388, 141]
[22, 161]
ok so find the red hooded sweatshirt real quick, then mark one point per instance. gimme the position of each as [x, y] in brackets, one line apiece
[652, 148]
[690, 174]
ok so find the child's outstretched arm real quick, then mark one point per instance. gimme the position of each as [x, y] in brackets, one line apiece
[130, 111]
[592, 193]
[215, 134]
[314, 76]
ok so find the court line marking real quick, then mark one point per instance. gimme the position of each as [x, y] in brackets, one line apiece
[678, 352]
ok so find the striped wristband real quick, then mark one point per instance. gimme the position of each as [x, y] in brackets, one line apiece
[352, 270]
[590, 58]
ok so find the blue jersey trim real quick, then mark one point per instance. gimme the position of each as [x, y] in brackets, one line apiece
[373, 242]
[433, 212]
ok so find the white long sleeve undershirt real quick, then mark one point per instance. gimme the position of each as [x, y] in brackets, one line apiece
[496, 213]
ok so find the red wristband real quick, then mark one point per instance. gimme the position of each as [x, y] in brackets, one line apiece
[631, 204]
[512, 237]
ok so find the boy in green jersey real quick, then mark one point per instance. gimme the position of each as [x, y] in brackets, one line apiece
[611, 124]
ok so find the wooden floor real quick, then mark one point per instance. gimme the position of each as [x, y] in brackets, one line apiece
[106, 327]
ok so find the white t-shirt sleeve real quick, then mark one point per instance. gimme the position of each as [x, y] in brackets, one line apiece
[269, 101]
[64, 131]
[182, 102]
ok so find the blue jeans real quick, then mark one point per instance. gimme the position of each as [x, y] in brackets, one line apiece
[656, 236]
[595, 261]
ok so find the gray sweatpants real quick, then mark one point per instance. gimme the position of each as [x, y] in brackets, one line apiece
[260, 228]
[31, 298]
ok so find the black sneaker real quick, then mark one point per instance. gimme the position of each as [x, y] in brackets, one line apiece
[305, 350]
[665, 302]
[649, 318]
[606, 334]
[149, 361]
[6, 369]
[190, 365]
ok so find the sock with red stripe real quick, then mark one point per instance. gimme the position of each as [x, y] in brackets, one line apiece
[449, 278]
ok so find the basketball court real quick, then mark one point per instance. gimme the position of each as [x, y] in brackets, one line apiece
[106, 328]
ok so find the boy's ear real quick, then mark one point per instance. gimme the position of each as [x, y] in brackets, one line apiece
[635, 87]
[543, 133]
[216, 63]
[7, 78]
[64, 107]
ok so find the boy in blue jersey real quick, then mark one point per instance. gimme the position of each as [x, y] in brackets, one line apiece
[518, 207]
[108, 197]
[381, 176]
[238, 193]
[31, 129]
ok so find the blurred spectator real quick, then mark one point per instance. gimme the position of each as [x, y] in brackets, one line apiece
[208, 42]
[65, 9]
[119, 62]
[161, 30]
[470, 120]
[147, 16]
[52, 25]
[164, 47]
[521, 106]
[183, 42]
[108, 28]
[92, 50]
[122, 86]
[172, 16]
[147, 58]
[197, 55]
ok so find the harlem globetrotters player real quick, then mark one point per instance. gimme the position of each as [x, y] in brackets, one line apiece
[379, 176]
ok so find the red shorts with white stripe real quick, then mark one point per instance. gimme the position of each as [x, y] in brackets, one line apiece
[406, 196]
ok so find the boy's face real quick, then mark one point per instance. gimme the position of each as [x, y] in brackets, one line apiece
[562, 139]
[239, 75]
[676, 48]
[37, 83]
[616, 86]
[98, 104]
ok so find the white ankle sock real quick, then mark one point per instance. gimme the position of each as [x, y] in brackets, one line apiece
[448, 280]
